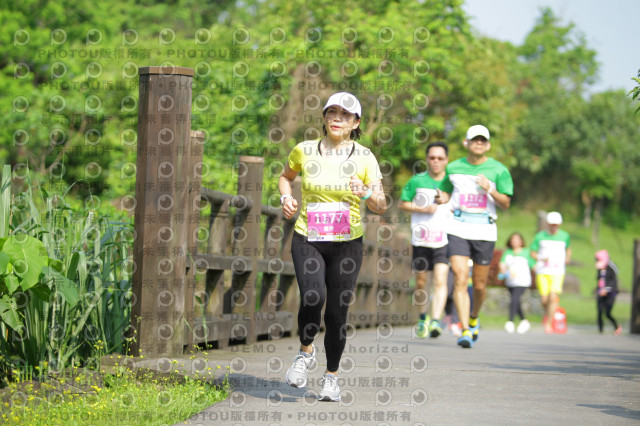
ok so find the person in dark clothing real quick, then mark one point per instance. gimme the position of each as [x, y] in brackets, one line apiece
[607, 289]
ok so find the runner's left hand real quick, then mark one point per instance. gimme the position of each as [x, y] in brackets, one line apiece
[484, 183]
[357, 187]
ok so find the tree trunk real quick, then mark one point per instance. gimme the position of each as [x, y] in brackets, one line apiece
[597, 218]
[587, 201]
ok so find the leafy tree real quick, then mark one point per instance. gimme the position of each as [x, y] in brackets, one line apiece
[603, 162]
[635, 92]
[556, 67]
[264, 68]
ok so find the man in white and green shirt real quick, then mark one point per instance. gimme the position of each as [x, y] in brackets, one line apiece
[475, 185]
[429, 223]
[552, 251]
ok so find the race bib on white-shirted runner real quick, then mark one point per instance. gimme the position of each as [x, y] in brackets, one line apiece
[473, 203]
[328, 221]
[430, 236]
[425, 197]
[552, 263]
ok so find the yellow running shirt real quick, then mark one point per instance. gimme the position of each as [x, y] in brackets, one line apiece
[330, 211]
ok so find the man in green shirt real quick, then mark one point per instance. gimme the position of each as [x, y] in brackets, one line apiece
[475, 185]
[429, 236]
[552, 250]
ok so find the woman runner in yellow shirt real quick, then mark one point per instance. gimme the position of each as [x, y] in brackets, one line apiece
[337, 173]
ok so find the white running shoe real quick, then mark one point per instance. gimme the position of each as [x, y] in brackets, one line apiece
[510, 327]
[330, 389]
[297, 373]
[524, 326]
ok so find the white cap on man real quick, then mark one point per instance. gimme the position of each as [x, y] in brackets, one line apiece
[554, 218]
[477, 130]
[345, 100]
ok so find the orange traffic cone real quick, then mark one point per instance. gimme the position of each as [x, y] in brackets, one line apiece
[559, 321]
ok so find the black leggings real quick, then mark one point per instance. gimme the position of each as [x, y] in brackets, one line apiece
[605, 304]
[515, 307]
[326, 270]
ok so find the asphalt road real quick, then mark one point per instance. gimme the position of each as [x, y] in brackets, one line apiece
[390, 377]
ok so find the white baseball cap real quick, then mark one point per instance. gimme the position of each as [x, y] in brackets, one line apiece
[554, 218]
[477, 130]
[345, 100]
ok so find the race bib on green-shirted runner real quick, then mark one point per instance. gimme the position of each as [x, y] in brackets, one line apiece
[328, 221]
[426, 197]
[427, 235]
[551, 262]
[473, 203]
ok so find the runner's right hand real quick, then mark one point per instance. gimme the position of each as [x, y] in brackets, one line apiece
[438, 198]
[289, 207]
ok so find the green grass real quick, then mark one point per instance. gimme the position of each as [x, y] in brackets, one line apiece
[581, 310]
[122, 399]
[618, 242]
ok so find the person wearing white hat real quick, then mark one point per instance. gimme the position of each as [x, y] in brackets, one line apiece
[337, 174]
[552, 251]
[475, 185]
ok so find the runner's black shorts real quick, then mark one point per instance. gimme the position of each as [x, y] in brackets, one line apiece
[481, 252]
[424, 258]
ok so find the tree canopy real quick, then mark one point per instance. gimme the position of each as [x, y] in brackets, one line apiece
[263, 70]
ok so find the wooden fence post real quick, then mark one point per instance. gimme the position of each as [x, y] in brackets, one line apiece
[635, 292]
[246, 236]
[364, 311]
[287, 294]
[403, 306]
[161, 213]
[195, 170]
[384, 272]
[218, 328]
[273, 265]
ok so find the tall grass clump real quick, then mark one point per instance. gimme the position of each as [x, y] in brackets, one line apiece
[65, 280]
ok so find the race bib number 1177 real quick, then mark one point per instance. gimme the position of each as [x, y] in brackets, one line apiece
[328, 221]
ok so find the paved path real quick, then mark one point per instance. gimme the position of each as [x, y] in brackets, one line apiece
[388, 377]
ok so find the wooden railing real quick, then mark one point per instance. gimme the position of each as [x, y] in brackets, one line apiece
[228, 277]
[249, 288]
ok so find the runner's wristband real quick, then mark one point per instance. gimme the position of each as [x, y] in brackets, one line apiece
[368, 194]
[284, 197]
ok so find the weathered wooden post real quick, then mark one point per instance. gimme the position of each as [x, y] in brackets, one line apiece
[217, 328]
[162, 209]
[403, 307]
[246, 235]
[271, 266]
[364, 311]
[195, 151]
[635, 292]
[287, 297]
[384, 272]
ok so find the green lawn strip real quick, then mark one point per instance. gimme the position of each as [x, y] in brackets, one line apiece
[580, 310]
[618, 242]
[125, 398]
